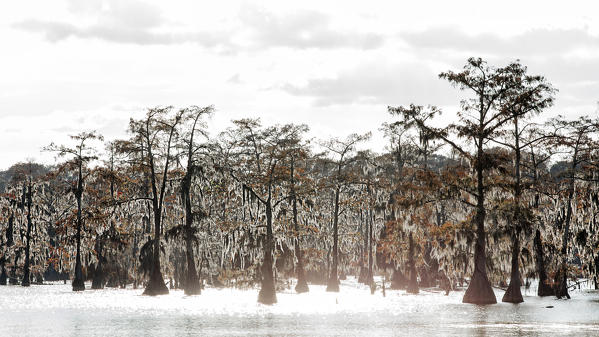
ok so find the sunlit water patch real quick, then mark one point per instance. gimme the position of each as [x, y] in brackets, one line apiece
[54, 310]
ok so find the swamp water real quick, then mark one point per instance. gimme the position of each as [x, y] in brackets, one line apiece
[54, 310]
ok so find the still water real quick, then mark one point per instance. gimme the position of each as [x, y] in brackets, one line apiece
[54, 310]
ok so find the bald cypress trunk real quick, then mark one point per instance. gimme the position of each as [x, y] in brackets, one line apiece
[78, 282]
[13, 280]
[3, 275]
[479, 290]
[192, 281]
[413, 282]
[544, 288]
[98, 279]
[156, 285]
[191, 284]
[370, 276]
[513, 293]
[302, 285]
[398, 280]
[26, 269]
[267, 294]
[561, 277]
[363, 273]
[333, 282]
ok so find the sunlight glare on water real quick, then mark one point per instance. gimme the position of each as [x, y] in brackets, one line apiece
[56, 310]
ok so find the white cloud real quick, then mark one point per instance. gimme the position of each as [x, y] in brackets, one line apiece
[302, 29]
[72, 64]
[534, 42]
[378, 84]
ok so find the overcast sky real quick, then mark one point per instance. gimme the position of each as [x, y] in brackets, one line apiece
[74, 65]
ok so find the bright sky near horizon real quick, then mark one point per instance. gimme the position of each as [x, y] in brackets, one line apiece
[75, 65]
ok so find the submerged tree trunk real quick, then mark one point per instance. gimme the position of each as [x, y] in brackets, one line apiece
[479, 289]
[561, 277]
[13, 280]
[9, 243]
[78, 282]
[413, 282]
[267, 294]
[398, 281]
[428, 274]
[333, 283]
[191, 285]
[370, 275]
[544, 288]
[513, 293]
[363, 273]
[26, 274]
[3, 276]
[156, 285]
[302, 285]
[98, 280]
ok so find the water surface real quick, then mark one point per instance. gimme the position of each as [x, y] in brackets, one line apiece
[54, 310]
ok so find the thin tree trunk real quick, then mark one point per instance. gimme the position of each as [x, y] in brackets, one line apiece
[13, 271]
[513, 293]
[267, 293]
[333, 283]
[561, 277]
[26, 273]
[370, 279]
[78, 282]
[363, 276]
[156, 284]
[413, 283]
[302, 285]
[192, 281]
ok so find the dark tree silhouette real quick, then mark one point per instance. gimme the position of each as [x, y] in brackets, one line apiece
[480, 119]
[150, 148]
[81, 154]
[342, 151]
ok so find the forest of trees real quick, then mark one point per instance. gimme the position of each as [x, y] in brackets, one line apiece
[496, 197]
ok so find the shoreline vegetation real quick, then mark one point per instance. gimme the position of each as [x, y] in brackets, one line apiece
[491, 200]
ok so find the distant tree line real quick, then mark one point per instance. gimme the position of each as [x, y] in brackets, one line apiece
[492, 199]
